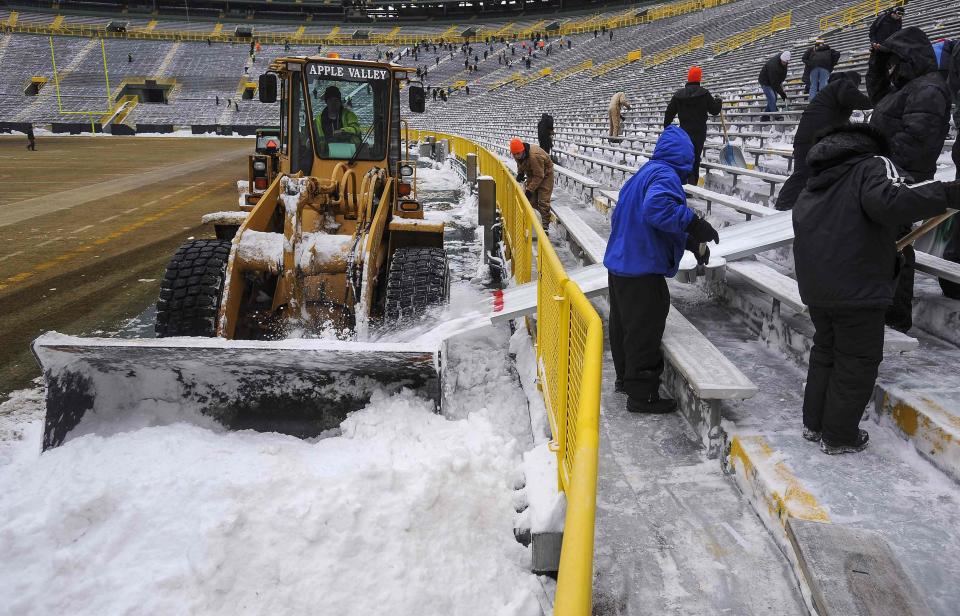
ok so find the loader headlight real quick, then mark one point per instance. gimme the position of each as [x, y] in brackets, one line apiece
[406, 171]
[259, 166]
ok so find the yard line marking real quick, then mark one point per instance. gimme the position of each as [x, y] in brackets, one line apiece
[79, 250]
[11, 255]
[82, 229]
[50, 241]
[109, 218]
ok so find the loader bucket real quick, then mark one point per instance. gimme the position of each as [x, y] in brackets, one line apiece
[300, 387]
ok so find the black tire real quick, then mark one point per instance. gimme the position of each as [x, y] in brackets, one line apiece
[418, 278]
[192, 288]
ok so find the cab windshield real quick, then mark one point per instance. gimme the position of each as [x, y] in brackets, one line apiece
[349, 106]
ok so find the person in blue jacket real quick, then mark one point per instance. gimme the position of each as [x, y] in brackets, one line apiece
[651, 227]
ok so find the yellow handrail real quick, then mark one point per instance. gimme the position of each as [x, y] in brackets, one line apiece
[854, 13]
[569, 361]
[660, 57]
[776, 24]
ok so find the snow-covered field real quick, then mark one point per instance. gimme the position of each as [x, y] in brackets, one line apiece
[402, 509]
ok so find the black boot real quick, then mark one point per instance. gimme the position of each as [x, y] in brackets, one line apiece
[861, 443]
[652, 404]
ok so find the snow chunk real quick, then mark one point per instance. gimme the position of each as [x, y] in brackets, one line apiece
[547, 506]
[261, 247]
[224, 218]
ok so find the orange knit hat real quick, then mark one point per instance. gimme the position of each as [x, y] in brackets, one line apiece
[695, 74]
[516, 146]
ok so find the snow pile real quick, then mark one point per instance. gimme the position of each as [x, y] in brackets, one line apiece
[547, 507]
[406, 509]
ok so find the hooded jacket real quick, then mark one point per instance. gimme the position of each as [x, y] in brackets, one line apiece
[845, 221]
[772, 75]
[912, 111]
[821, 56]
[884, 26]
[832, 107]
[648, 226]
[692, 103]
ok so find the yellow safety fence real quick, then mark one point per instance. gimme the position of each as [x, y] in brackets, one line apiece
[855, 13]
[573, 70]
[606, 67]
[569, 358]
[778, 23]
[660, 57]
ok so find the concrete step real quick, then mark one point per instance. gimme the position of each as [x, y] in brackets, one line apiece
[888, 489]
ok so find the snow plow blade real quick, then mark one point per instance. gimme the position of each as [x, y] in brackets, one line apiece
[299, 387]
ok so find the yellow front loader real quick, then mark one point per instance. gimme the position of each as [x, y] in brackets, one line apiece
[264, 327]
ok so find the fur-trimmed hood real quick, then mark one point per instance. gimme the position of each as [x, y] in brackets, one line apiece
[838, 148]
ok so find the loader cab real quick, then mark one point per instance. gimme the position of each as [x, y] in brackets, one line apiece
[335, 110]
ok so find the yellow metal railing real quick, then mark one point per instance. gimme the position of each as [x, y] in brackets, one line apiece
[778, 23]
[660, 57]
[855, 13]
[569, 360]
[606, 67]
[573, 70]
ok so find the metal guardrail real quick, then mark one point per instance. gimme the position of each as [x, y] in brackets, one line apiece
[569, 358]
[660, 57]
[855, 13]
[573, 70]
[776, 24]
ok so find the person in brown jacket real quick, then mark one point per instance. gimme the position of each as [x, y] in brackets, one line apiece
[618, 102]
[535, 169]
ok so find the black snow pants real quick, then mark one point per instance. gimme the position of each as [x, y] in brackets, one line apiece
[638, 314]
[846, 354]
[955, 152]
[698, 140]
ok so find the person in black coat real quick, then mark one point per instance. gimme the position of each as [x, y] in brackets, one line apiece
[545, 132]
[692, 103]
[883, 27]
[833, 106]
[912, 110]
[845, 226]
[819, 60]
[771, 79]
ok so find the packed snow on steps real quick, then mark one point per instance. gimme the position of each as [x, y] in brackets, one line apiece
[400, 506]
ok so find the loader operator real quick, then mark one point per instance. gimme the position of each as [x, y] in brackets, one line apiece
[336, 122]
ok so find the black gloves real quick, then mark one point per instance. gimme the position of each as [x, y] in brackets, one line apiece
[696, 247]
[529, 195]
[953, 193]
[700, 230]
[521, 176]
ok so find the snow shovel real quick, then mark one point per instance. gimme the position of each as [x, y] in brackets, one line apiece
[927, 226]
[731, 154]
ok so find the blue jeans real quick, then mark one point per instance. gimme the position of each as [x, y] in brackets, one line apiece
[818, 81]
[771, 98]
